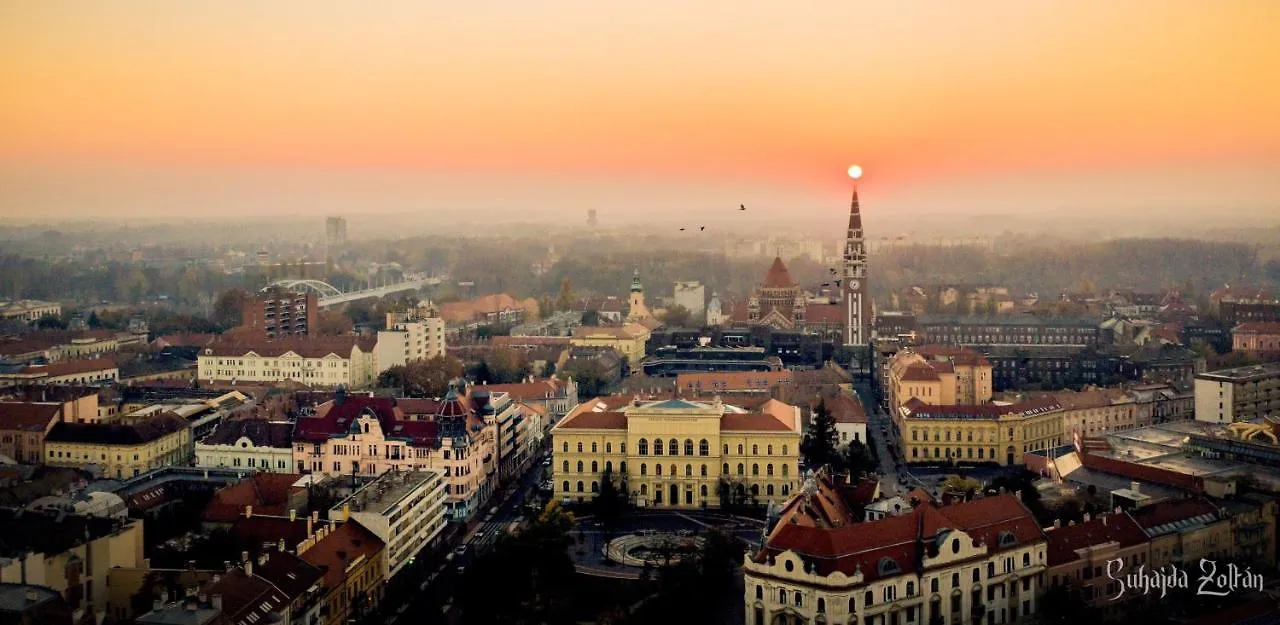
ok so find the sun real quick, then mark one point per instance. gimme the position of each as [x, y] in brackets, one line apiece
[855, 172]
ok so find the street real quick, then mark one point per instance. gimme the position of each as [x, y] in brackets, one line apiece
[880, 431]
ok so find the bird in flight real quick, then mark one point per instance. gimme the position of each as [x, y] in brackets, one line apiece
[837, 283]
[701, 228]
[742, 207]
[682, 230]
[826, 284]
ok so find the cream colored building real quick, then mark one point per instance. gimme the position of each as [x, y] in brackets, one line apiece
[121, 450]
[315, 361]
[30, 310]
[405, 509]
[407, 341]
[940, 376]
[1098, 411]
[677, 453]
[256, 444]
[973, 562]
[628, 340]
[993, 432]
[92, 547]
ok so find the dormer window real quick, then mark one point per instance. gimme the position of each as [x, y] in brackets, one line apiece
[1006, 539]
[887, 566]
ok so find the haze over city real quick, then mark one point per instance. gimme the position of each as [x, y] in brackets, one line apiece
[542, 110]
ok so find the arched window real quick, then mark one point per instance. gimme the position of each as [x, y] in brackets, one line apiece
[782, 596]
[799, 599]
[566, 486]
[784, 450]
[594, 448]
[759, 592]
[644, 489]
[657, 469]
[1006, 539]
[768, 469]
[704, 490]
[853, 605]
[566, 448]
[704, 448]
[768, 490]
[991, 570]
[868, 599]
[673, 447]
[755, 469]
[673, 471]
[566, 466]
[955, 580]
[725, 468]
[955, 547]
[704, 470]
[688, 447]
[580, 486]
[644, 447]
[595, 467]
[1026, 559]
[579, 466]
[784, 470]
[977, 575]
[622, 467]
[933, 585]
[769, 452]
[741, 470]
[579, 447]
[608, 448]
[608, 466]
[755, 450]
[595, 487]
[688, 470]
[739, 449]
[644, 469]
[657, 447]
[888, 566]
[822, 606]
[755, 490]
[911, 589]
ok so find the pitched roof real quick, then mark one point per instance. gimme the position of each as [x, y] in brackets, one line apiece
[734, 380]
[625, 331]
[1064, 542]
[48, 531]
[528, 391]
[71, 367]
[247, 598]
[753, 422]
[845, 408]
[260, 432]
[291, 574]
[959, 355]
[778, 277]
[268, 493]
[1163, 517]
[334, 420]
[921, 410]
[588, 420]
[823, 313]
[28, 416]
[1142, 472]
[335, 552]
[1257, 327]
[153, 428]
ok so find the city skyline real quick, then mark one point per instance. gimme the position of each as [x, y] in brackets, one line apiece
[546, 110]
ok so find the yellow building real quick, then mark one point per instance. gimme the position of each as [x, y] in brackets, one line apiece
[121, 450]
[992, 432]
[938, 375]
[354, 570]
[678, 453]
[628, 340]
[1183, 532]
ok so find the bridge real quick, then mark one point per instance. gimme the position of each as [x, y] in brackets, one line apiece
[329, 295]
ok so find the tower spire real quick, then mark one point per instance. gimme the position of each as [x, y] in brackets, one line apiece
[855, 215]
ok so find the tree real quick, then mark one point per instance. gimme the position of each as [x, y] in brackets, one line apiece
[590, 377]
[700, 587]
[677, 316]
[858, 458]
[1062, 605]
[612, 502]
[423, 378]
[333, 323]
[966, 486]
[505, 365]
[534, 570]
[564, 301]
[229, 307]
[591, 318]
[819, 444]
[93, 321]
[50, 322]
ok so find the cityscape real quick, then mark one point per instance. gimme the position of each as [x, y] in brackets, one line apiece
[316, 314]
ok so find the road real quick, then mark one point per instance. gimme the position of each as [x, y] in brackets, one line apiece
[881, 430]
[426, 597]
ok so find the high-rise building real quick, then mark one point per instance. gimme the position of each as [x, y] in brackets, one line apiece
[335, 231]
[281, 313]
[591, 217]
[857, 300]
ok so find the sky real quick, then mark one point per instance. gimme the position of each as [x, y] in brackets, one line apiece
[639, 109]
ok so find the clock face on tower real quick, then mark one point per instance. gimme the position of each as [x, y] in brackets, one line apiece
[854, 284]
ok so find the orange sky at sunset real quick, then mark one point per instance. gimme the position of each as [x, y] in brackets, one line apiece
[152, 107]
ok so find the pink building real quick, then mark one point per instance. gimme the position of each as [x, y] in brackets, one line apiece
[363, 435]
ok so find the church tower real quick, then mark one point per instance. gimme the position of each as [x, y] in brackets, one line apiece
[853, 284]
[638, 310]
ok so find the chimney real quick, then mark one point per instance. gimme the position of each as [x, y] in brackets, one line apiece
[1135, 486]
[1057, 523]
[293, 515]
[309, 524]
[164, 596]
[1086, 517]
[262, 557]
[226, 564]
[157, 605]
[280, 545]
[1104, 520]
[248, 512]
[217, 601]
[31, 595]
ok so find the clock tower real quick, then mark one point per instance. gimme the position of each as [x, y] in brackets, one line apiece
[853, 284]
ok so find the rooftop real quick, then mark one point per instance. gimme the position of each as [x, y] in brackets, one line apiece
[989, 411]
[1007, 320]
[337, 551]
[49, 531]
[70, 367]
[138, 433]
[1242, 374]
[382, 494]
[30, 417]
[1065, 543]
[302, 346]
[259, 432]
[268, 493]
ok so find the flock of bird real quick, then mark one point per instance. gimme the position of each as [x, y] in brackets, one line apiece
[835, 282]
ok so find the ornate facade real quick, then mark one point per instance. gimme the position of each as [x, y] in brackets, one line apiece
[780, 303]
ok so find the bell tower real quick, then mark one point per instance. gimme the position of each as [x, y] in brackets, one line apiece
[853, 283]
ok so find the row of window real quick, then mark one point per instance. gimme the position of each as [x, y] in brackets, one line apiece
[672, 447]
[657, 490]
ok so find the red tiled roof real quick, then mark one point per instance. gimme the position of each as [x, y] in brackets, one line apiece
[247, 598]
[252, 533]
[1143, 472]
[959, 355]
[588, 420]
[778, 277]
[28, 417]
[734, 380]
[71, 367]
[184, 340]
[920, 372]
[268, 493]
[1117, 528]
[260, 432]
[334, 420]
[921, 410]
[903, 539]
[845, 408]
[335, 552]
[823, 313]
[1151, 517]
[544, 389]
[753, 422]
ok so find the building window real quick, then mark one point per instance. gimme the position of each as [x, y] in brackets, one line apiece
[673, 447]
[608, 448]
[579, 466]
[580, 486]
[595, 467]
[755, 469]
[579, 447]
[704, 449]
[740, 450]
[688, 447]
[566, 466]
[657, 469]
[741, 469]
[593, 448]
